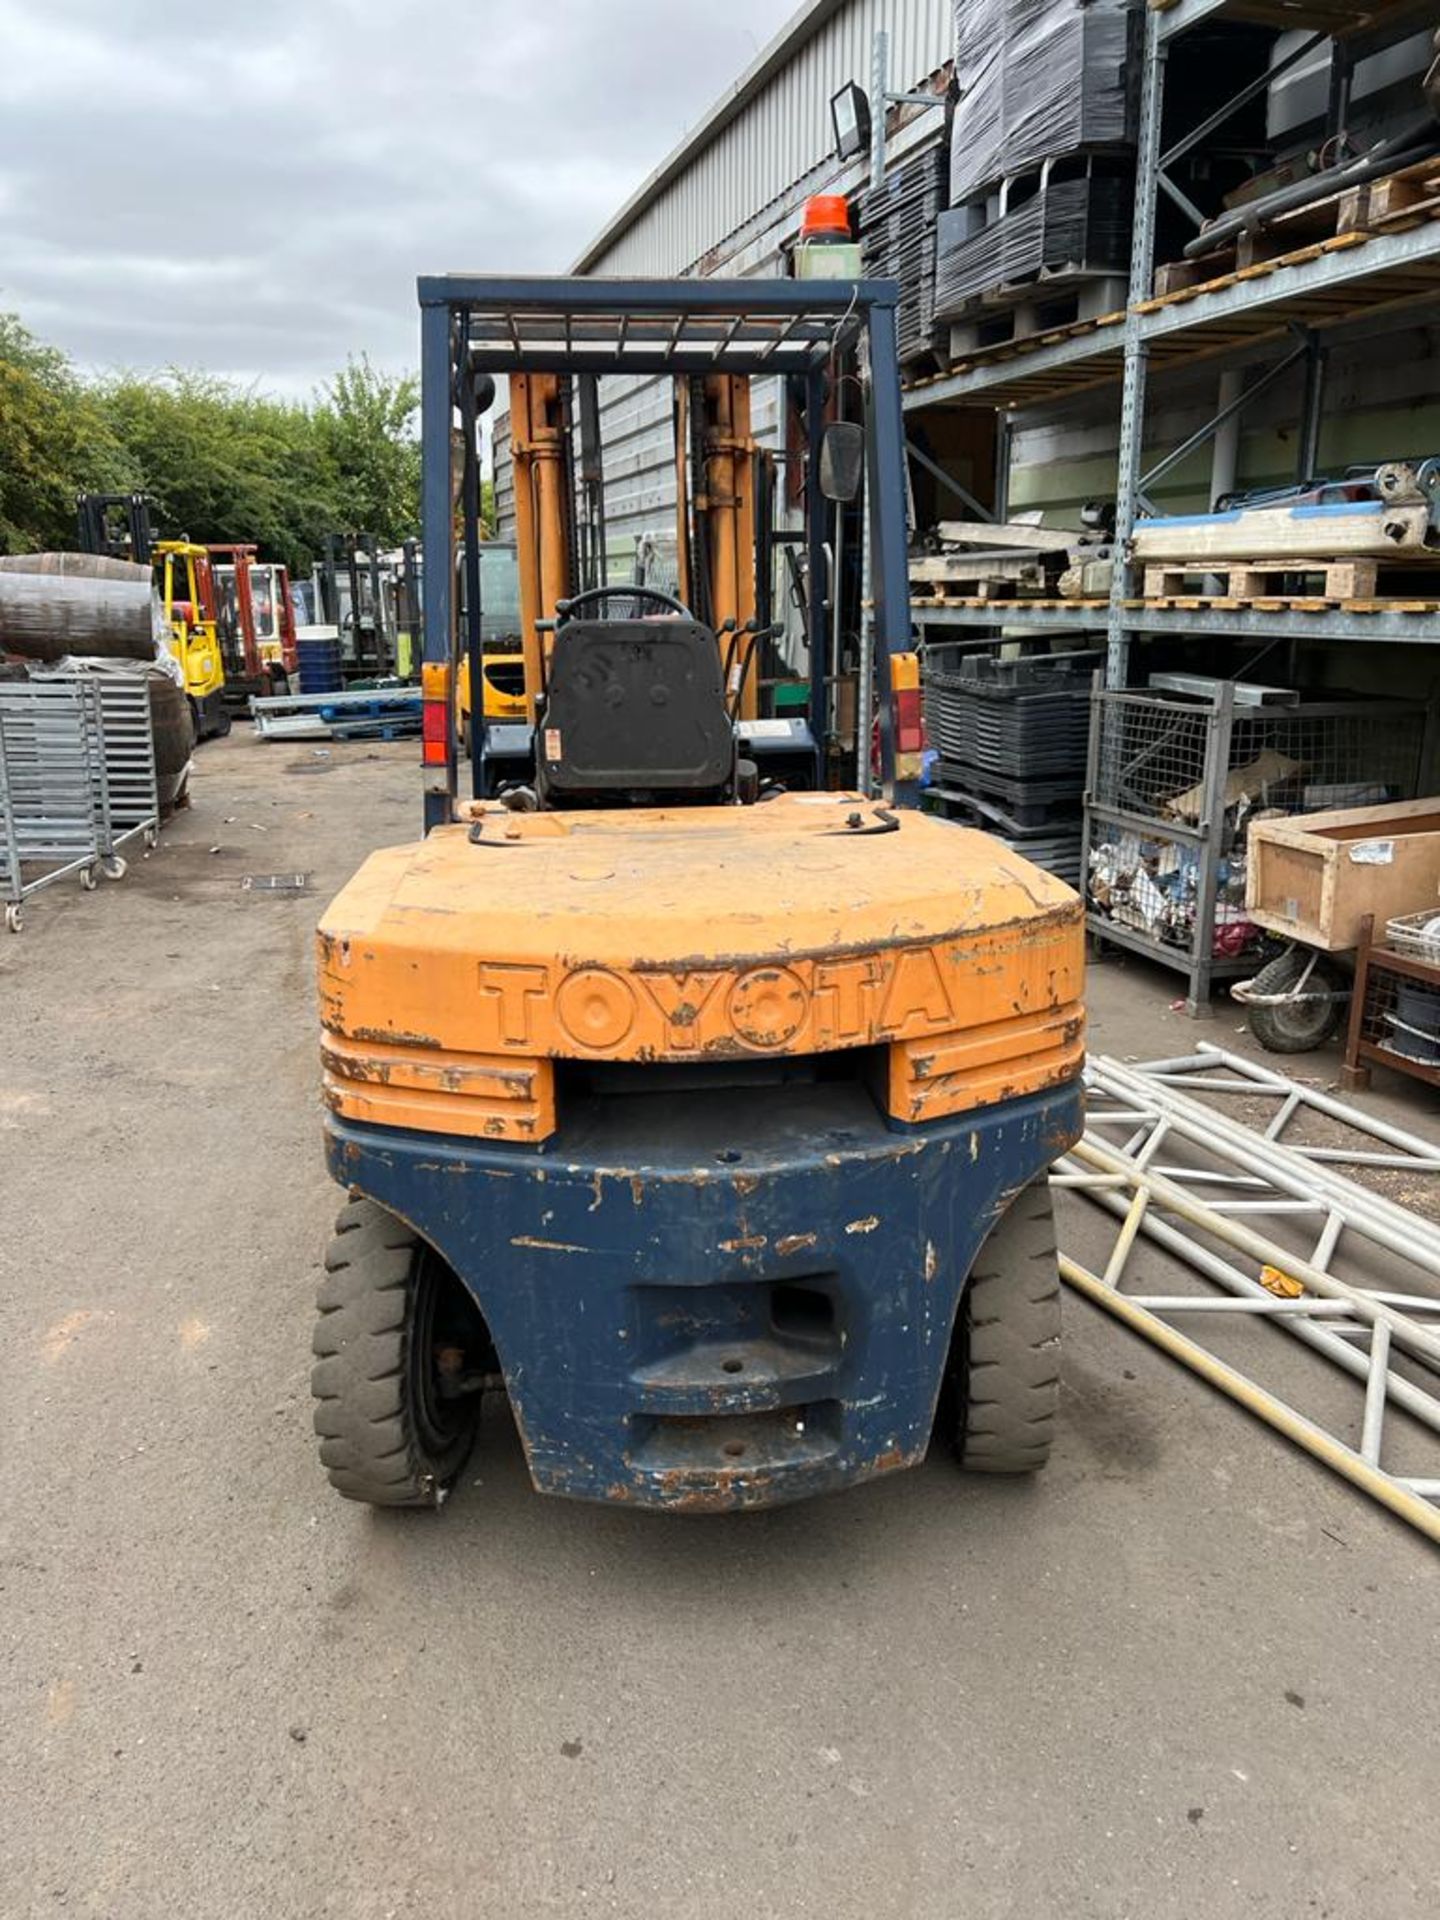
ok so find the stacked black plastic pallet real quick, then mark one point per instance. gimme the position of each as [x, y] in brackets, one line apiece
[898, 225]
[1039, 79]
[1070, 228]
[1041, 179]
[1010, 738]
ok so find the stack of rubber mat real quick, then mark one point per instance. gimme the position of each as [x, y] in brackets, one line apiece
[1011, 738]
[1071, 229]
[898, 223]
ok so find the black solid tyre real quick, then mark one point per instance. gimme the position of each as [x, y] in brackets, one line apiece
[1005, 1355]
[1306, 1024]
[387, 1304]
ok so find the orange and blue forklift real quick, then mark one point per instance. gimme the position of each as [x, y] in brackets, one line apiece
[703, 1109]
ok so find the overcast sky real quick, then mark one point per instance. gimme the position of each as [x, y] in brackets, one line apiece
[253, 189]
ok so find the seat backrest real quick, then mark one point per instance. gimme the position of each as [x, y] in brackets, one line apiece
[634, 704]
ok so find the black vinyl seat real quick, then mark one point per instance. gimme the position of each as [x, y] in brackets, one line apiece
[634, 706]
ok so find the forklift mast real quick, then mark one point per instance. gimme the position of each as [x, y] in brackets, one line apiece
[252, 649]
[368, 645]
[117, 524]
[556, 340]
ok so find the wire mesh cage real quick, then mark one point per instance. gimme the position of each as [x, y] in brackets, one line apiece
[1174, 785]
[1155, 755]
[1401, 1016]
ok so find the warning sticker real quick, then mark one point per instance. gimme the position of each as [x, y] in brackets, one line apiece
[1372, 853]
[552, 744]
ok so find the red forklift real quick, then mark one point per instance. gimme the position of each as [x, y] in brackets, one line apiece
[257, 621]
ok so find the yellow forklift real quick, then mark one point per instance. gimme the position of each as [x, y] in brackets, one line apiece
[187, 599]
[119, 524]
[703, 1109]
[502, 662]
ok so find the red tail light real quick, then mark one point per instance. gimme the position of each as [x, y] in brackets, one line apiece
[909, 721]
[435, 714]
[432, 733]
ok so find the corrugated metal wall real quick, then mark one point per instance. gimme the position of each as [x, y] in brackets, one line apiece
[754, 176]
[780, 136]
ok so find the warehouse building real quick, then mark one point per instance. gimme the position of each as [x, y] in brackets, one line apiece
[729, 200]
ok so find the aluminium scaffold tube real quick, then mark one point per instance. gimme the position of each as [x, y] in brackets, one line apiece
[1420, 1156]
[1401, 1500]
[1366, 1212]
[1357, 1328]
[1344, 1203]
[1300, 1315]
[1175, 1200]
[1163, 1079]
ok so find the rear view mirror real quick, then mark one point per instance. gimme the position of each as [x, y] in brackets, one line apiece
[842, 460]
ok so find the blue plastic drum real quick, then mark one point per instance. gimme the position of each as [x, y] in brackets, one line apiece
[319, 662]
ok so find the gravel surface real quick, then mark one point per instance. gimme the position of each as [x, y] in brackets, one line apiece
[1185, 1673]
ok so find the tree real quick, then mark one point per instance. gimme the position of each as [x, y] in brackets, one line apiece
[225, 462]
[222, 462]
[54, 440]
[366, 422]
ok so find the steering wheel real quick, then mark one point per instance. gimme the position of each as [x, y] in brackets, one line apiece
[566, 610]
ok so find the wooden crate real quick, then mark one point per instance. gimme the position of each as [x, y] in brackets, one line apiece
[1315, 877]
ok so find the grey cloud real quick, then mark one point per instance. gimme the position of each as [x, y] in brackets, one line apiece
[256, 193]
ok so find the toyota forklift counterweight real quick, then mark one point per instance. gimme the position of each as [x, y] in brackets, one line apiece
[705, 1109]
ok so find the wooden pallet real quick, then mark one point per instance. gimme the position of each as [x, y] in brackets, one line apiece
[1406, 198]
[976, 587]
[1285, 603]
[1253, 580]
[1084, 610]
[1396, 200]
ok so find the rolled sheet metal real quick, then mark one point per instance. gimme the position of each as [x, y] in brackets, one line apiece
[53, 604]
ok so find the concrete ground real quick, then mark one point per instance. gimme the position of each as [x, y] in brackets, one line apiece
[1186, 1672]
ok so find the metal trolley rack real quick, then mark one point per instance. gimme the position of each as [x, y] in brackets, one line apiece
[125, 761]
[51, 779]
[77, 780]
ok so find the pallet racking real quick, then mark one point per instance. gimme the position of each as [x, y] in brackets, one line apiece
[1280, 312]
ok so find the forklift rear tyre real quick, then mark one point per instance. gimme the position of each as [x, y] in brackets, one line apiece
[1005, 1356]
[395, 1325]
